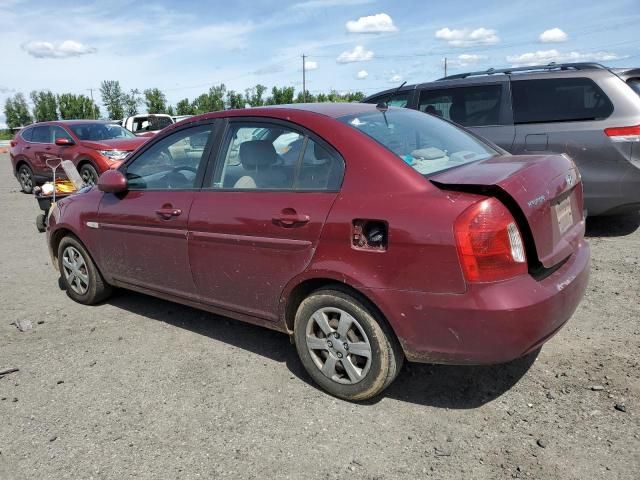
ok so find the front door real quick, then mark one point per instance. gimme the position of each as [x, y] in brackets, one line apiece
[144, 230]
[258, 220]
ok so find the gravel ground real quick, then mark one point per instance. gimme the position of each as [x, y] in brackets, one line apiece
[142, 388]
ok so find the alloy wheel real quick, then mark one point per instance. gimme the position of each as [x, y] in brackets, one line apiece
[75, 270]
[338, 345]
[88, 176]
[26, 179]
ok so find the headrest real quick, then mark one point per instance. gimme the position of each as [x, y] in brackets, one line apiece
[257, 153]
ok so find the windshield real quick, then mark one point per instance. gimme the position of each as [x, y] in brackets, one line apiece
[100, 131]
[427, 143]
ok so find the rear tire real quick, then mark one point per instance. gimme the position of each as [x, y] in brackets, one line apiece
[343, 346]
[80, 277]
[89, 174]
[25, 177]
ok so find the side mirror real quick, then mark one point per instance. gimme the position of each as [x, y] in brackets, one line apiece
[64, 142]
[112, 181]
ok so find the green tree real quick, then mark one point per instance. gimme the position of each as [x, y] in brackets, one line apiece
[212, 101]
[131, 102]
[113, 98]
[281, 96]
[77, 106]
[155, 100]
[16, 111]
[45, 106]
[310, 98]
[170, 110]
[253, 96]
[184, 107]
[235, 99]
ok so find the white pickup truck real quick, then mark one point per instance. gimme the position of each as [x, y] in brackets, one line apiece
[147, 124]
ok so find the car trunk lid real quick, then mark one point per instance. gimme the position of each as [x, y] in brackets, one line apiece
[544, 193]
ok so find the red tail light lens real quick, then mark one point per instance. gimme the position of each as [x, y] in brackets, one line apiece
[489, 243]
[623, 134]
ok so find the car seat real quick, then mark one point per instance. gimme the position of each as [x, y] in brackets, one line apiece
[258, 158]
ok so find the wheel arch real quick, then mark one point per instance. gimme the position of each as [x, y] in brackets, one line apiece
[296, 293]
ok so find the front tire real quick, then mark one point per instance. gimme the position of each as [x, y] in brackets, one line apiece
[25, 177]
[80, 277]
[343, 346]
[89, 174]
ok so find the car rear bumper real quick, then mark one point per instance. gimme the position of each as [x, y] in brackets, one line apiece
[490, 323]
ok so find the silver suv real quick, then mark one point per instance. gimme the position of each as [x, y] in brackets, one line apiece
[586, 110]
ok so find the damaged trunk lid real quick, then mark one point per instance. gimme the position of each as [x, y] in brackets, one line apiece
[543, 192]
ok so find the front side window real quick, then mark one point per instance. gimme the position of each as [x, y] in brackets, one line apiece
[477, 105]
[558, 100]
[99, 131]
[42, 134]
[59, 132]
[171, 163]
[274, 157]
[426, 143]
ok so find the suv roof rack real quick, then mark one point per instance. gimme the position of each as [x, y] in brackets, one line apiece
[532, 68]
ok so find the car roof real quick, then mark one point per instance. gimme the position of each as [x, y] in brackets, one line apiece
[333, 110]
[67, 122]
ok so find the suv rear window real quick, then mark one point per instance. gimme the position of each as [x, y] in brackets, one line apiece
[27, 133]
[558, 100]
[426, 143]
[469, 106]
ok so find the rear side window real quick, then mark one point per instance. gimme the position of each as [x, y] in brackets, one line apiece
[400, 99]
[27, 134]
[469, 106]
[274, 157]
[559, 100]
[42, 134]
[634, 83]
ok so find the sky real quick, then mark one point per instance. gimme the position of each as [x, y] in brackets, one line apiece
[369, 45]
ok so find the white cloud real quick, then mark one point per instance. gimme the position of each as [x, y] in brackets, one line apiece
[378, 23]
[542, 57]
[310, 65]
[553, 35]
[362, 74]
[314, 4]
[395, 78]
[467, 38]
[68, 48]
[358, 54]
[466, 59]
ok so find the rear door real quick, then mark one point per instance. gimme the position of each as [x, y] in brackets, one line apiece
[42, 148]
[482, 107]
[144, 230]
[257, 221]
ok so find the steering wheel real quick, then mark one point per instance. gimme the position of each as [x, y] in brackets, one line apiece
[174, 181]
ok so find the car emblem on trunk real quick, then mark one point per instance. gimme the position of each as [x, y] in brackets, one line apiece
[536, 201]
[569, 179]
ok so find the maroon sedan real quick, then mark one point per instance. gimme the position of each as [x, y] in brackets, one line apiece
[93, 146]
[369, 234]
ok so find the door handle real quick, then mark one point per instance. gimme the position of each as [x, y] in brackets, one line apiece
[290, 219]
[167, 213]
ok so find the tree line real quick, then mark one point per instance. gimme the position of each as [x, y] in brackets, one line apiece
[120, 103]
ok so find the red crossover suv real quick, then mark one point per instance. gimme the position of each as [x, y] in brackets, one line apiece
[93, 146]
[369, 234]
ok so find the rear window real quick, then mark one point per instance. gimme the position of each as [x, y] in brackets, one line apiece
[399, 99]
[558, 100]
[634, 83]
[469, 106]
[426, 143]
[27, 134]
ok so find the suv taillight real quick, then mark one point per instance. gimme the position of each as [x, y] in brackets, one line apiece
[489, 243]
[623, 134]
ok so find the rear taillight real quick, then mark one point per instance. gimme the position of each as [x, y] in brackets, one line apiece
[623, 134]
[489, 243]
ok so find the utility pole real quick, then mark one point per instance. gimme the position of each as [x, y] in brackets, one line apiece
[93, 105]
[445, 66]
[304, 78]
